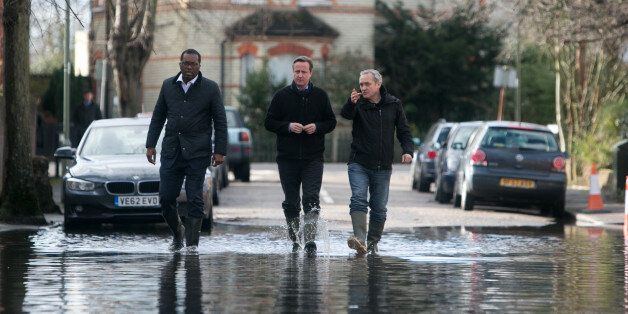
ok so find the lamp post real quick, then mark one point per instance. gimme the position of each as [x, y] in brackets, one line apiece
[66, 73]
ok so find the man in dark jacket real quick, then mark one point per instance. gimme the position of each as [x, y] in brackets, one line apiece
[190, 103]
[376, 115]
[83, 116]
[300, 114]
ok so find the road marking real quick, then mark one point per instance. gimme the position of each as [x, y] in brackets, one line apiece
[325, 196]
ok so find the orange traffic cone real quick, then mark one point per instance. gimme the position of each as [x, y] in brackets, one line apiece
[595, 194]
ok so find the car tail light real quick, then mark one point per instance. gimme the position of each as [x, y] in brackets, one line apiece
[478, 158]
[244, 136]
[432, 154]
[558, 164]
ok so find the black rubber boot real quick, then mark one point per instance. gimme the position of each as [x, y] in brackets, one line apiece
[193, 231]
[374, 235]
[356, 242]
[171, 216]
[309, 230]
[293, 232]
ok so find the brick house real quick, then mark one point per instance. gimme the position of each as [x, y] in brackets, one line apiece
[235, 36]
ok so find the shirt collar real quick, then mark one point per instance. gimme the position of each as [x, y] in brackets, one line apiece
[180, 79]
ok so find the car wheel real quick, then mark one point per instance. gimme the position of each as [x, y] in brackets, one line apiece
[466, 198]
[215, 197]
[68, 223]
[440, 194]
[456, 196]
[559, 208]
[208, 219]
[225, 176]
[424, 183]
[245, 172]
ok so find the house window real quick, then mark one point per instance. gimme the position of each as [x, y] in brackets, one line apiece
[280, 67]
[248, 2]
[313, 3]
[247, 64]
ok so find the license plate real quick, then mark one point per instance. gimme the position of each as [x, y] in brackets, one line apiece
[517, 183]
[137, 201]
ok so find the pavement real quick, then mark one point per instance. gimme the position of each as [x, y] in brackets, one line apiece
[612, 216]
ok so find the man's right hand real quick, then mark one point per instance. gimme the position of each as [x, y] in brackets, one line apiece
[151, 154]
[355, 96]
[296, 127]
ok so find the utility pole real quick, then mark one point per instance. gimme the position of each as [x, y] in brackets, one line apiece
[66, 73]
[518, 65]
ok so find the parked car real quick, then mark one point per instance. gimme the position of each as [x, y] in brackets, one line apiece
[110, 179]
[423, 170]
[240, 145]
[513, 163]
[448, 159]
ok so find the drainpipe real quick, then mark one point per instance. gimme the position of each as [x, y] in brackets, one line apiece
[222, 66]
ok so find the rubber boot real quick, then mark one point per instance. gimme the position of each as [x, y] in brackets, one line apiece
[374, 235]
[193, 231]
[171, 216]
[293, 232]
[356, 242]
[309, 231]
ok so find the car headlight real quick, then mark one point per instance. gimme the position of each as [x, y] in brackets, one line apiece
[79, 185]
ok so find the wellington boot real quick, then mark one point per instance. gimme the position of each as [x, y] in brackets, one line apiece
[193, 231]
[356, 242]
[171, 217]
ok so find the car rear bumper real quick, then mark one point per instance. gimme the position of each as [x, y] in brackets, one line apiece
[547, 189]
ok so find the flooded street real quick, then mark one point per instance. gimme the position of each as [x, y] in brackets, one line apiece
[251, 269]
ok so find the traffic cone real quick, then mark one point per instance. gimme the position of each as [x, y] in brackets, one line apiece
[595, 194]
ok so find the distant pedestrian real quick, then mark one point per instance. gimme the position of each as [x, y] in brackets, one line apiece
[83, 116]
[376, 116]
[192, 104]
[301, 114]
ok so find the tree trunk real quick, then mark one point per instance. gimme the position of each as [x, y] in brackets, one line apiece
[19, 202]
[130, 45]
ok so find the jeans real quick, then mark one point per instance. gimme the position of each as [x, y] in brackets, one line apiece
[296, 175]
[171, 176]
[366, 181]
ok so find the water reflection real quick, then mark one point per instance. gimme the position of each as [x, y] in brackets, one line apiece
[563, 269]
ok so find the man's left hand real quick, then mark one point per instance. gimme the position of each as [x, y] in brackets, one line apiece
[406, 159]
[217, 159]
[310, 128]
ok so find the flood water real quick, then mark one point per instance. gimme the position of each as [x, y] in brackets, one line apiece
[243, 269]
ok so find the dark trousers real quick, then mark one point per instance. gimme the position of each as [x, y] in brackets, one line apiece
[171, 175]
[296, 175]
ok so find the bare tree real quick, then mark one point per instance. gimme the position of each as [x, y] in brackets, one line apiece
[19, 201]
[586, 39]
[129, 47]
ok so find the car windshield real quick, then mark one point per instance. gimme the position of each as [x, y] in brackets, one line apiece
[117, 140]
[462, 136]
[521, 139]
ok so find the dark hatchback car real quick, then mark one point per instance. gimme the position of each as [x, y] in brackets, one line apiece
[240, 145]
[448, 158]
[110, 179]
[513, 163]
[423, 170]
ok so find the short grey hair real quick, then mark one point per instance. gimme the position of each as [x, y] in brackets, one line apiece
[376, 76]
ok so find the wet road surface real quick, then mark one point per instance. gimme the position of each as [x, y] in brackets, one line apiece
[250, 269]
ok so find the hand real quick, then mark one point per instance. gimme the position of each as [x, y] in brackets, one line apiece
[151, 154]
[355, 95]
[310, 128]
[296, 127]
[217, 159]
[406, 158]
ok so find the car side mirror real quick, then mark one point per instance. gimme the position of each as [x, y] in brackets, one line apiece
[417, 141]
[436, 146]
[457, 145]
[65, 152]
